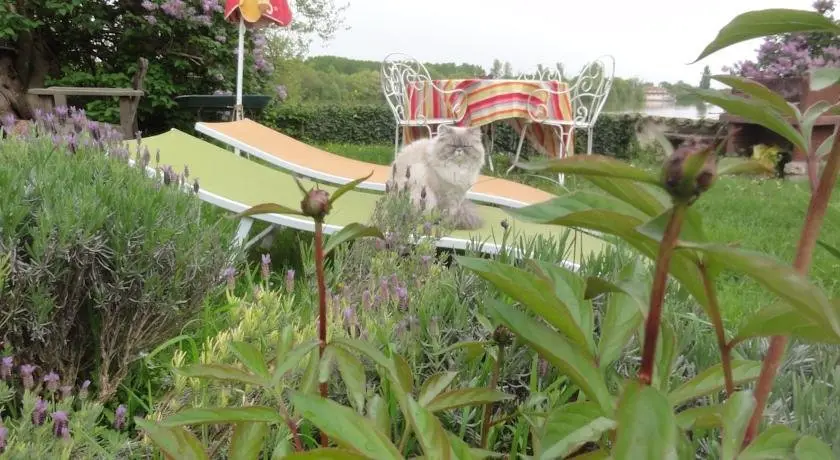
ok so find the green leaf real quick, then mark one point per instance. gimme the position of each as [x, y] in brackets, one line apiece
[569, 427]
[562, 210]
[350, 232]
[644, 197]
[666, 353]
[325, 366]
[454, 399]
[353, 374]
[377, 411]
[434, 385]
[777, 442]
[810, 117]
[403, 372]
[711, 380]
[826, 145]
[700, 418]
[292, 359]
[592, 165]
[345, 426]
[776, 277]
[811, 448]
[781, 318]
[429, 431]
[250, 357]
[200, 415]
[823, 77]
[268, 208]
[830, 249]
[570, 289]
[378, 358]
[762, 23]
[175, 442]
[309, 381]
[222, 372]
[556, 349]
[326, 453]
[758, 91]
[532, 291]
[732, 166]
[736, 415]
[347, 187]
[647, 428]
[624, 313]
[472, 349]
[247, 441]
[655, 228]
[754, 111]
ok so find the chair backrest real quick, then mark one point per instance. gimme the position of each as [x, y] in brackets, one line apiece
[590, 90]
[543, 74]
[399, 72]
[137, 83]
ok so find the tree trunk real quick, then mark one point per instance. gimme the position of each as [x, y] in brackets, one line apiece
[25, 67]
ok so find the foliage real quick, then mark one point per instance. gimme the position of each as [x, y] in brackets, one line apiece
[793, 54]
[374, 124]
[190, 47]
[104, 262]
[43, 420]
[767, 155]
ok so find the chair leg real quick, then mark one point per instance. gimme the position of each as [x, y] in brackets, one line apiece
[242, 231]
[518, 148]
[396, 140]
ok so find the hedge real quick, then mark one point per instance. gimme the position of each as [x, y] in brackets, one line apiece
[374, 124]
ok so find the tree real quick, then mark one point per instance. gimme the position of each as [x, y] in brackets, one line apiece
[706, 80]
[190, 48]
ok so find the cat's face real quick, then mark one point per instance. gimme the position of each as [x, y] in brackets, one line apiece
[459, 144]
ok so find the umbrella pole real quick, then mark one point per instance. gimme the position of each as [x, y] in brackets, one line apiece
[240, 65]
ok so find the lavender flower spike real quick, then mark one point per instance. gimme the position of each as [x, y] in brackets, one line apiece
[4, 434]
[265, 266]
[6, 366]
[290, 281]
[26, 371]
[83, 392]
[119, 417]
[52, 380]
[39, 414]
[60, 420]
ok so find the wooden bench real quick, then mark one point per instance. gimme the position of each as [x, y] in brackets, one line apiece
[56, 96]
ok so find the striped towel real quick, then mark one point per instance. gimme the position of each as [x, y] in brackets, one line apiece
[488, 101]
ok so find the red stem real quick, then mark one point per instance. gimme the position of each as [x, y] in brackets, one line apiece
[802, 263]
[657, 295]
[494, 383]
[717, 322]
[322, 306]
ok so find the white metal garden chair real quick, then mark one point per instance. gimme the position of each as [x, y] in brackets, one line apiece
[399, 72]
[587, 96]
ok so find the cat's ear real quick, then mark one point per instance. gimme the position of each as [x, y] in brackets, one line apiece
[444, 130]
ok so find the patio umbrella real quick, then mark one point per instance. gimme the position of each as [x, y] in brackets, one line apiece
[256, 13]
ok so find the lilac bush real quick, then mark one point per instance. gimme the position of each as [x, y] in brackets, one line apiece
[792, 55]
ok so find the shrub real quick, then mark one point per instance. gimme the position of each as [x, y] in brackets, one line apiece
[104, 262]
[374, 124]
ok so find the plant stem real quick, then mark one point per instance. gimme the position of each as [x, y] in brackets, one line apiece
[802, 263]
[657, 295]
[494, 382]
[717, 322]
[404, 437]
[322, 306]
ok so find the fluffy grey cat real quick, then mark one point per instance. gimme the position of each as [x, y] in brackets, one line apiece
[438, 172]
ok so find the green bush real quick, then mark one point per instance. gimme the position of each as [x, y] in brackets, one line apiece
[374, 124]
[104, 262]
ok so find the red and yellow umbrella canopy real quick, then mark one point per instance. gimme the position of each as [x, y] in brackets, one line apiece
[259, 12]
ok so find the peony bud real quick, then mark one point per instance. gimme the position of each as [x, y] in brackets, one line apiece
[316, 204]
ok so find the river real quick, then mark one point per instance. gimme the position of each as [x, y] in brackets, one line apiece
[694, 112]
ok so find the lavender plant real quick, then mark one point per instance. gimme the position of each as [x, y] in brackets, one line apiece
[103, 262]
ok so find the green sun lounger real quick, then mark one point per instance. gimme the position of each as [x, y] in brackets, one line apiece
[236, 183]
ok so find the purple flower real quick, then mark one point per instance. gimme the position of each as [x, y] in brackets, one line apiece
[60, 428]
[229, 274]
[427, 229]
[61, 111]
[281, 91]
[149, 6]
[83, 391]
[8, 121]
[6, 366]
[290, 281]
[265, 266]
[26, 371]
[150, 19]
[119, 417]
[66, 391]
[383, 289]
[39, 414]
[204, 20]
[349, 316]
[426, 261]
[366, 300]
[51, 380]
[402, 296]
[4, 434]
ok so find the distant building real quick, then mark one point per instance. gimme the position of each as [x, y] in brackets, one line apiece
[655, 95]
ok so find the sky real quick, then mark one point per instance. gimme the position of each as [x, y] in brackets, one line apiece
[654, 40]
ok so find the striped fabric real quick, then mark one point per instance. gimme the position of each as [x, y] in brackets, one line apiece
[489, 101]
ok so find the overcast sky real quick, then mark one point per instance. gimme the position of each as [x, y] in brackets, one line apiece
[650, 39]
